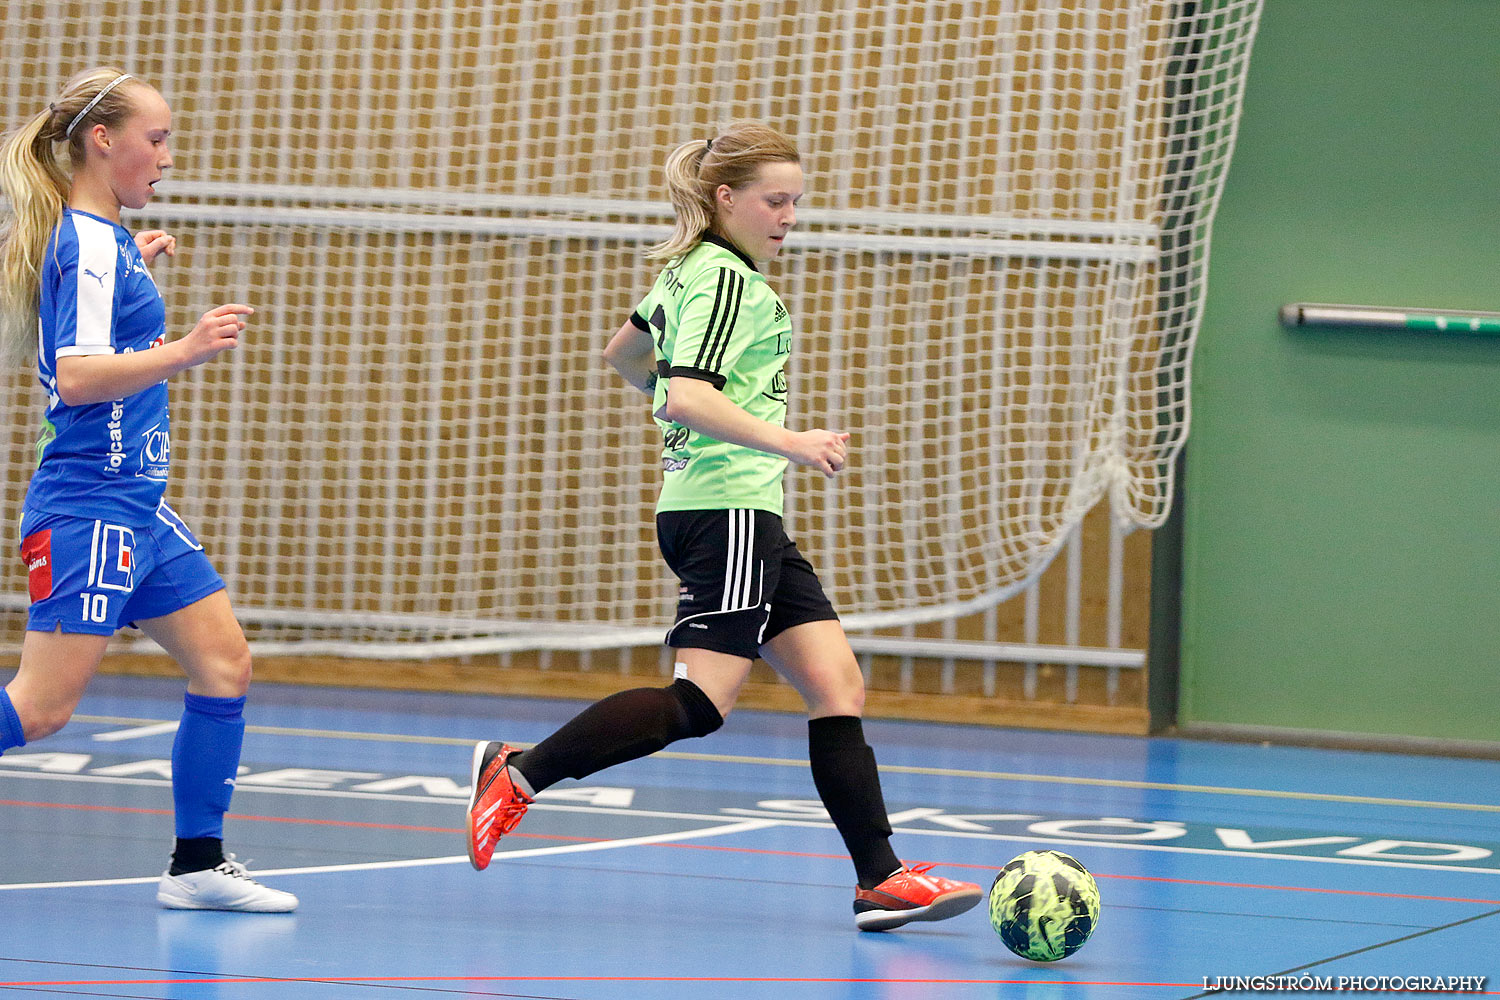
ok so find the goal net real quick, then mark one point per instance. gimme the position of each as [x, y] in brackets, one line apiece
[439, 213]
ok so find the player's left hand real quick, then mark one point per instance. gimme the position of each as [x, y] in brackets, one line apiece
[154, 242]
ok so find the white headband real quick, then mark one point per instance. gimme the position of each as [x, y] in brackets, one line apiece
[68, 134]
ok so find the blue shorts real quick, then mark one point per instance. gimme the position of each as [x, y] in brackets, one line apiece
[93, 577]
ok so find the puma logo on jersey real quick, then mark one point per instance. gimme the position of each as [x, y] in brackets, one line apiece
[97, 277]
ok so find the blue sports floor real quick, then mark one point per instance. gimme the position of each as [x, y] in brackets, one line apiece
[711, 873]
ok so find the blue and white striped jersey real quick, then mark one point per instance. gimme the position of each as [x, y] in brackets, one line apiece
[105, 460]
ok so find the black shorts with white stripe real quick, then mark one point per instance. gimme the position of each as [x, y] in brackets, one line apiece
[742, 580]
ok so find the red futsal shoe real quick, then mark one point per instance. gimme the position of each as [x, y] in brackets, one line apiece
[913, 894]
[496, 805]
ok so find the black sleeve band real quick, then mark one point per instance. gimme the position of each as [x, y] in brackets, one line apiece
[638, 323]
[712, 378]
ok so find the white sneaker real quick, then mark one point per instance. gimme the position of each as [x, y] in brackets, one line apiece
[227, 887]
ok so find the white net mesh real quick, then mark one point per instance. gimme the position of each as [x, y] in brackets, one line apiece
[439, 215]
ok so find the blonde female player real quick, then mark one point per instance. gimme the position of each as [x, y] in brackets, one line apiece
[102, 547]
[709, 345]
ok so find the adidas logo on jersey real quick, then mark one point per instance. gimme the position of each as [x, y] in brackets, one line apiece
[780, 313]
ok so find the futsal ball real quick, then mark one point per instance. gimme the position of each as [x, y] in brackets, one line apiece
[1044, 905]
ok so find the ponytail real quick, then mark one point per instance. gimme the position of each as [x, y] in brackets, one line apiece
[37, 187]
[694, 171]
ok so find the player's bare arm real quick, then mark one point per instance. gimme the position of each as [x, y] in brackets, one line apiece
[631, 353]
[98, 378]
[696, 404]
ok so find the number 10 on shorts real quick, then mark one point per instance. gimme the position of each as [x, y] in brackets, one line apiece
[95, 607]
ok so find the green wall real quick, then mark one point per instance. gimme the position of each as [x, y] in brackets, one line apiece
[1341, 551]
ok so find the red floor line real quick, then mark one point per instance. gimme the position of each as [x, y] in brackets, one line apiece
[85, 808]
[298, 820]
[1302, 888]
[1251, 885]
[788, 980]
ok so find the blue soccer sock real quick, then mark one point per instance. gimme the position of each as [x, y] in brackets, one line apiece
[205, 761]
[11, 733]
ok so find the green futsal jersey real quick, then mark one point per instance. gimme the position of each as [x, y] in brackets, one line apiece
[713, 317]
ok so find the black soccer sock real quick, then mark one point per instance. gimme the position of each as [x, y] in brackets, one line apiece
[621, 727]
[196, 854]
[843, 769]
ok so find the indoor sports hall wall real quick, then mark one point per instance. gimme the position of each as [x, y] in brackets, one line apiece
[439, 213]
[1343, 486]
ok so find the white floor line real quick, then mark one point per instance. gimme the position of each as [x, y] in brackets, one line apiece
[937, 772]
[779, 820]
[743, 826]
[138, 732]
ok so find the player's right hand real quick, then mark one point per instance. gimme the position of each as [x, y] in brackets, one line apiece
[820, 449]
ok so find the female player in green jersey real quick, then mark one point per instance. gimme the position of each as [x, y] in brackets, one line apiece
[709, 344]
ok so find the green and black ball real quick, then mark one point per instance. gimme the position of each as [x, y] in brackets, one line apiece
[1044, 905]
